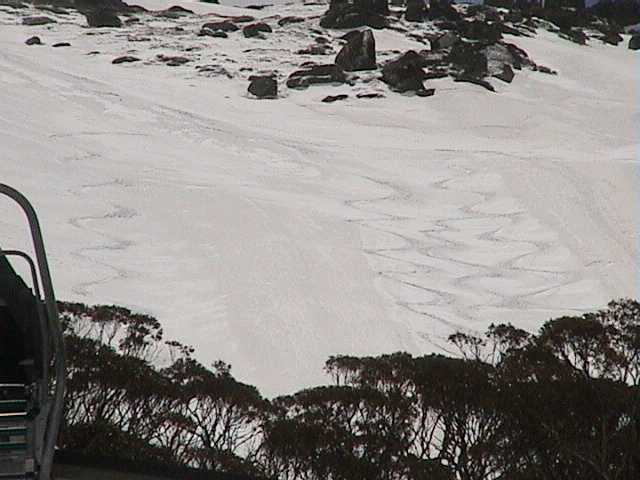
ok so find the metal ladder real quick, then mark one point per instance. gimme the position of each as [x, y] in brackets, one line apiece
[16, 452]
[30, 415]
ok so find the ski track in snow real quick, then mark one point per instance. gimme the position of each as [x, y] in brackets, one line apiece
[431, 244]
[112, 243]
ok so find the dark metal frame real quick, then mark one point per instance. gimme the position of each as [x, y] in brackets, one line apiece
[52, 394]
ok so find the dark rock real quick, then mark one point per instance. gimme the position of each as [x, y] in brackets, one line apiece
[436, 74]
[205, 32]
[446, 40]
[15, 4]
[479, 30]
[288, 20]
[442, 9]
[334, 98]
[405, 73]
[117, 6]
[257, 7]
[322, 40]
[492, 14]
[33, 41]
[612, 38]
[370, 95]
[513, 16]
[315, 74]
[172, 61]
[103, 18]
[359, 53]
[377, 22]
[263, 86]
[179, 9]
[506, 75]
[416, 11]
[131, 21]
[475, 81]
[507, 30]
[316, 50]
[563, 18]
[129, 9]
[547, 70]
[61, 44]
[520, 57]
[243, 19]
[256, 29]
[634, 42]
[427, 92]
[125, 59]
[53, 9]
[576, 35]
[469, 59]
[356, 13]
[33, 21]
[226, 26]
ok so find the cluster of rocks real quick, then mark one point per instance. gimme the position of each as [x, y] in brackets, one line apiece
[466, 43]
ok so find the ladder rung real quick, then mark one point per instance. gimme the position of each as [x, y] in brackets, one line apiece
[13, 406]
[13, 447]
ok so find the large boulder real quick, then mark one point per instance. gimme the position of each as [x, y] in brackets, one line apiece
[634, 42]
[103, 17]
[316, 74]
[405, 73]
[487, 32]
[263, 86]
[256, 30]
[225, 26]
[355, 13]
[359, 53]
[469, 59]
[416, 11]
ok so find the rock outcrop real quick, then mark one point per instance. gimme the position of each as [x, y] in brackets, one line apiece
[359, 53]
[405, 73]
[316, 74]
[102, 18]
[263, 86]
[355, 13]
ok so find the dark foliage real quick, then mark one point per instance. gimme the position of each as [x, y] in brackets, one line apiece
[562, 404]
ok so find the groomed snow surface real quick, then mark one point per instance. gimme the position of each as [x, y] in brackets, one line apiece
[274, 233]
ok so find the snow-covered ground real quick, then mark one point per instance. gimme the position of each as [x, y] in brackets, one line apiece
[274, 233]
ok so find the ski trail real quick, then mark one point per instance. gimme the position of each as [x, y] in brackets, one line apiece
[110, 243]
[432, 264]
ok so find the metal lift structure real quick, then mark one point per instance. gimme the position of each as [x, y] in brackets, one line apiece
[32, 362]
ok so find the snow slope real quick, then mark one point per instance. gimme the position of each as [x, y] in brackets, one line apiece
[272, 234]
